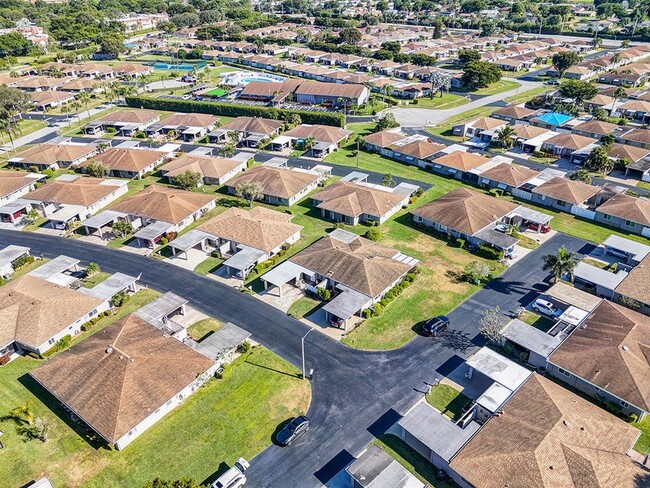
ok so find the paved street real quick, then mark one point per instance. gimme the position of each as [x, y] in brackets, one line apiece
[421, 117]
[356, 394]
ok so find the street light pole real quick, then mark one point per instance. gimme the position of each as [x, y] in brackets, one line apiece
[302, 346]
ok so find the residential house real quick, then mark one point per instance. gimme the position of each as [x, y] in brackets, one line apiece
[124, 122]
[245, 238]
[622, 211]
[37, 313]
[281, 185]
[564, 145]
[564, 194]
[458, 164]
[213, 170]
[358, 272]
[551, 120]
[158, 211]
[187, 126]
[15, 184]
[474, 128]
[71, 198]
[506, 176]
[634, 286]
[113, 383]
[417, 150]
[513, 113]
[635, 109]
[52, 156]
[604, 101]
[604, 358]
[128, 162]
[251, 130]
[46, 100]
[595, 129]
[326, 138]
[8, 256]
[379, 141]
[530, 138]
[636, 138]
[354, 202]
[334, 94]
[473, 217]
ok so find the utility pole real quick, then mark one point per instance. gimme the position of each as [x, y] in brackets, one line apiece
[302, 346]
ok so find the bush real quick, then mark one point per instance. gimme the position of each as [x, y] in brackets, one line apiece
[4, 359]
[244, 347]
[87, 326]
[22, 261]
[34, 169]
[366, 313]
[120, 299]
[234, 110]
[373, 234]
[48, 173]
[288, 211]
[496, 192]
[377, 309]
[461, 242]
[489, 252]
[60, 345]
[164, 241]
[324, 294]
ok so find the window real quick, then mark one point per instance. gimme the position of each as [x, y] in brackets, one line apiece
[596, 388]
[629, 223]
[51, 341]
[560, 203]
[607, 217]
[564, 372]
[624, 404]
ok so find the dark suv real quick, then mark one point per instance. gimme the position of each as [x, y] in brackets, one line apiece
[292, 431]
[435, 325]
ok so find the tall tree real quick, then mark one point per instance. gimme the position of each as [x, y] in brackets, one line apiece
[249, 190]
[578, 90]
[561, 263]
[479, 74]
[564, 60]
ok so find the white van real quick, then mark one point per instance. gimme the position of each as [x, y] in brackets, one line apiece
[234, 477]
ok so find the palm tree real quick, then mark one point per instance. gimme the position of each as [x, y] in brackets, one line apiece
[505, 136]
[76, 107]
[561, 263]
[616, 94]
[309, 143]
[84, 98]
[65, 109]
[10, 128]
[93, 269]
[259, 45]
[616, 57]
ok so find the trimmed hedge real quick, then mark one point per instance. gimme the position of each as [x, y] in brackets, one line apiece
[234, 110]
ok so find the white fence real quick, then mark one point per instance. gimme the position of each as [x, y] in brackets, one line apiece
[583, 212]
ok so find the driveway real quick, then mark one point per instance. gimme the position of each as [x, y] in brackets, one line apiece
[422, 117]
[356, 395]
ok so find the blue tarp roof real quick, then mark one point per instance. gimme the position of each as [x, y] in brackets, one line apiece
[554, 118]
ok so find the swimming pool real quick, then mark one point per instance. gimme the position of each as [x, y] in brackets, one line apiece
[180, 67]
[243, 78]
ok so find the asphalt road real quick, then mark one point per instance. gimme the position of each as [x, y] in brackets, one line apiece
[356, 395]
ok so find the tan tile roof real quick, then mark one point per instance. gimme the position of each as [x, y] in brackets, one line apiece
[621, 151]
[596, 127]
[636, 284]
[80, 84]
[510, 174]
[528, 131]
[349, 90]
[82, 191]
[487, 123]
[637, 135]
[548, 437]
[190, 120]
[570, 141]
[45, 97]
[132, 115]
[11, 181]
[362, 265]
[353, 200]
[208, 166]
[33, 310]
[55, 153]
[601, 100]
[119, 159]
[321, 133]
[261, 89]
[611, 351]
[635, 105]
[628, 207]
[461, 160]
[278, 182]
[465, 210]
[420, 148]
[120, 375]
[259, 227]
[162, 203]
[254, 125]
[515, 111]
[566, 190]
[384, 138]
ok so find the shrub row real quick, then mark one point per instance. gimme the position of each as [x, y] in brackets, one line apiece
[89, 325]
[234, 110]
[22, 261]
[378, 308]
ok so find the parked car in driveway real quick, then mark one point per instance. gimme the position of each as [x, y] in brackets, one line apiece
[546, 307]
[544, 230]
[234, 477]
[435, 325]
[294, 429]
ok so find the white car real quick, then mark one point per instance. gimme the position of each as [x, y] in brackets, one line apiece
[546, 307]
[234, 477]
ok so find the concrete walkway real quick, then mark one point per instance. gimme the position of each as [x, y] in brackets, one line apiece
[422, 117]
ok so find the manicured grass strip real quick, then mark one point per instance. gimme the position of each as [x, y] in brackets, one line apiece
[498, 87]
[447, 400]
[643, 444]
[303, 306]
[538, 321]
[202, 328]
[208, 266]
[408, 457]
[94, 280]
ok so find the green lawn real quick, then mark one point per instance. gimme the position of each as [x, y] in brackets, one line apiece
[644, 185]
[444, 129]
[224, 420]
[200, 329]
[498, 87]
[94, 280]
[25, 127]
[411, 460]
[528, 94]
[447, 400]
[643, 444]
[536, 320]
[303, 306]
[447, 100]
[208, 266]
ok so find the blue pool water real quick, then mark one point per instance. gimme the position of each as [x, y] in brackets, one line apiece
[248, 79]
[180, 67]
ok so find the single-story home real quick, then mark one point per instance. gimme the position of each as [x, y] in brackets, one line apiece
[125, 122]
[513, 113]
[507, 176]
[459, 164]
[53, 156]
[636, 137]
[625, 212]
[326, 138]
[564, 145]
[128, 162]
[357, 271]
[213, 170]
[45, 100]
[15, 184]
[564, 194]
[474, 128]
[9, 257]
[251, 130]
[113, 383]
[187, 126]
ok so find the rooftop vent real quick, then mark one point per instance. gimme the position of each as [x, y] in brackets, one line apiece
[109, 349]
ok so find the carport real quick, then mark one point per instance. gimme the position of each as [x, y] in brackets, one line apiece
[153, 232]
[526, 214]
[187, 241]
[345, 305]
[159, 312]
[496, 239]
[13, 211]
[102, 219]
[285, 273]
[243, 261]
[221, 345]
[111, 286]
